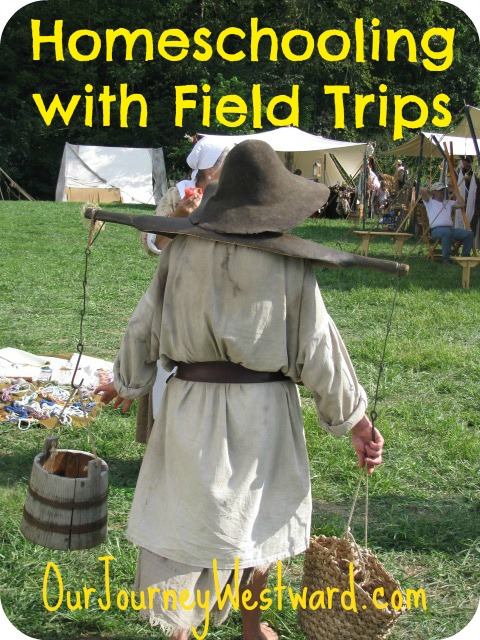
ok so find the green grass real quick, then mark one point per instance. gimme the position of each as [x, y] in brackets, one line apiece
[424, 501]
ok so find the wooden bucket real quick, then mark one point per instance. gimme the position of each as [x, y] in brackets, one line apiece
[66, 505]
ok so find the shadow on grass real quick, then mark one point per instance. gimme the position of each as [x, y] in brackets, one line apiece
[399, 522]
[424, 274]
[16, 469]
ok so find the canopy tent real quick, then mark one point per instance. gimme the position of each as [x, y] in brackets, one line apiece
[460, 139]
[461, 145]
[301, 150]
[462, 130]
[108, 174]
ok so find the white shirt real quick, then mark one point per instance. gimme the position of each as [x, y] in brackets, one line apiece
[439, 213]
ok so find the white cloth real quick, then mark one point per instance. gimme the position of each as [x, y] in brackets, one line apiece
[439, 213]
[225, 474]
[374, 181]
[469, 200]
[159, 388]
[166, 207]
[184, 184]
[204, 154]
[166, 575]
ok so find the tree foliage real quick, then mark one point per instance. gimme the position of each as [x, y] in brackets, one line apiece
[31, 150]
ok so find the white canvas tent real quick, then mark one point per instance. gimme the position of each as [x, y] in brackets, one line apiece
[301, 150]
[109, 174]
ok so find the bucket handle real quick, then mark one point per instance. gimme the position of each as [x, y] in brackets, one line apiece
[50, 445]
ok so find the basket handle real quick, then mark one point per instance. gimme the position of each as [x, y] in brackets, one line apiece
[355, 498]
[347, 533]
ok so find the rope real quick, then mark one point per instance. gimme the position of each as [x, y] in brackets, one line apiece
[355, 498]
[347, 533]
[60, 416]
[373, 413]
[366, 511]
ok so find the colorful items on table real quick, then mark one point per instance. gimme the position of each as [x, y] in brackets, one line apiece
[25, 403]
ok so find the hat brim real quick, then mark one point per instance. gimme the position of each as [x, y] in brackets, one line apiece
[281, 243]
[256, 193]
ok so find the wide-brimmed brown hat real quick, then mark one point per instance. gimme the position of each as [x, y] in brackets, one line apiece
[253, 203]
[257, 194]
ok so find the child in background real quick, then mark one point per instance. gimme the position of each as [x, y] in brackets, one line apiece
[383, 194]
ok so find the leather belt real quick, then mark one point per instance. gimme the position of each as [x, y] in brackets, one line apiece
[225, 373]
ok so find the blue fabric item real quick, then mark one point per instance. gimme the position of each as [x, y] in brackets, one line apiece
[447, 234]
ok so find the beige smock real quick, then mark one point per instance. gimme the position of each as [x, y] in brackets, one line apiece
[148, 403]
[225, 474]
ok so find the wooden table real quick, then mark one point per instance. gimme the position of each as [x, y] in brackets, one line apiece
[399, 238]
[467, 264]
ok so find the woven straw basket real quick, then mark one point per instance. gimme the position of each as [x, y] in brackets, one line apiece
[327, 564]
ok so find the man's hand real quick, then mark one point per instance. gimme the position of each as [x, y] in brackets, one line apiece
[367, 451]
[109, 393]
[424, 194]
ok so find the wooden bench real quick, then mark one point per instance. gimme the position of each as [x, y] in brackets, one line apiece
[399, 238]
[467, 264]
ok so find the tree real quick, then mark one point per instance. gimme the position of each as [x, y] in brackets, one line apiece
[32, 150]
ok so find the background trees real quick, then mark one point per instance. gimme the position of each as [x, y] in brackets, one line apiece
[31, 151]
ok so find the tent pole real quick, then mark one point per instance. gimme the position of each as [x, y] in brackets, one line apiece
[420, 163]
[443, 177]
[364, 188]
[411, 225]
[16, 186]
[472, 131]
[434, 138]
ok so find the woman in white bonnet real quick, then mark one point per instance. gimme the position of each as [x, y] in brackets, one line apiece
[206, 160]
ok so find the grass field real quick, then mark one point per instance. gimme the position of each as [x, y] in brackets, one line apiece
[424, 502]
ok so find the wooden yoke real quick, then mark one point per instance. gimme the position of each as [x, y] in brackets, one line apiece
[453, 175]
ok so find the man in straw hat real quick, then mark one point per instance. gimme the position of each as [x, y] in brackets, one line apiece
[235, 306]
[440, 218]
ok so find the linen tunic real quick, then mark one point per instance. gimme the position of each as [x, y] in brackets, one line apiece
[225, 474]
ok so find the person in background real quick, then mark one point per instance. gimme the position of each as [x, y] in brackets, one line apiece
[440, 211]
[382, 195]
[401, 186]
[373, 185]
[468, 189]
[465, 170]
[206, 161]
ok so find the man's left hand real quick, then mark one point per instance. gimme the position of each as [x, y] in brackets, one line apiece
[109, 393]
[368, 452]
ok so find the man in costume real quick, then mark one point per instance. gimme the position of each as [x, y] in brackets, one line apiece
[440, 212]
[235, 306]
